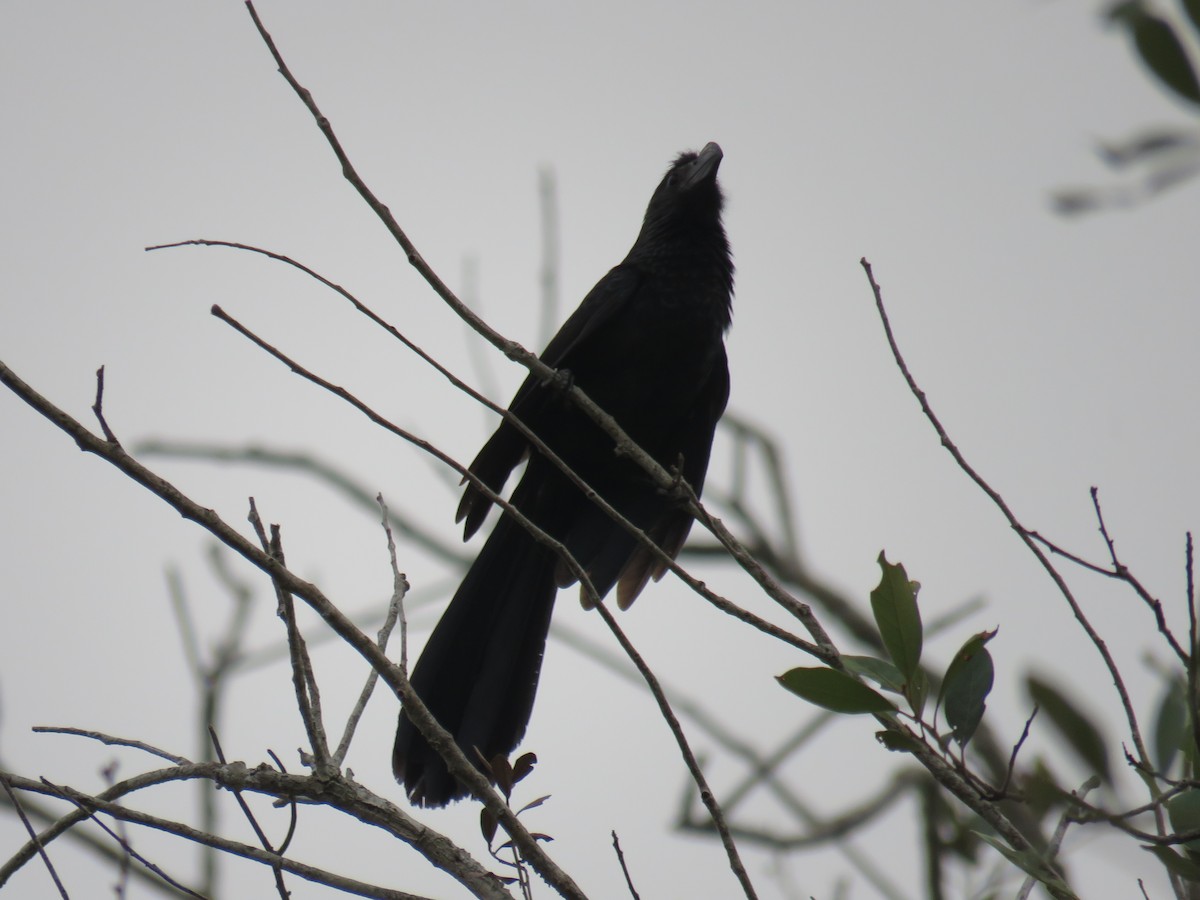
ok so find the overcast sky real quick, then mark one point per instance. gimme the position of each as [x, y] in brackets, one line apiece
[925, 136]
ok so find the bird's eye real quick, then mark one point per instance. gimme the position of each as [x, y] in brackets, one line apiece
[671, 180]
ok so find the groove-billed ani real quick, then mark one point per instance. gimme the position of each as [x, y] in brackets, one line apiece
[647, 344]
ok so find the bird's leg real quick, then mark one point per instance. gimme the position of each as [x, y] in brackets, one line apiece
[680, 492]
[561, 381]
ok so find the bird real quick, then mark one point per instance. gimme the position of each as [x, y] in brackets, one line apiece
[647, 344]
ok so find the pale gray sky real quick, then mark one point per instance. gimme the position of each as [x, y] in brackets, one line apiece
[924, 136]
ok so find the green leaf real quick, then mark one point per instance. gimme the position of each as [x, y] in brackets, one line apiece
[1031, 864]
[1170, 725]
[1078, 729]
[1184, 812]
[894, 605]
[834, 690]
[972, 646]
[1041, 790]
[966, 686]
[882, 672]
[1180, 865]
[917, 692]
[1159, 48]
[897, 743]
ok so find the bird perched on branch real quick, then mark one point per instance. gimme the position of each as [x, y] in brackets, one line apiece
[647, 345]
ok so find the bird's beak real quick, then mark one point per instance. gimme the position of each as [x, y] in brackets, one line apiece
[706, 164]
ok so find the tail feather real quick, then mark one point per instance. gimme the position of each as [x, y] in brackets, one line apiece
[478, 673]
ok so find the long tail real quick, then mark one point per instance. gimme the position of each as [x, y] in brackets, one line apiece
[478, 673]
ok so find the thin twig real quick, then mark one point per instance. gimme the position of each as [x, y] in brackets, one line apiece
[125, 865]
[252, 819]
[112, 741]
[395, 612]
[213, 680]
[624, 868]
[33, 836]
[122, 842]
[1122, 571]
[305, 462]
[184, 622]
[98, 847]
[1022, 532]
[98, 408]
[1060, 834]
[295, 813]
[706, 795]
[1012, 760]
[304, 680]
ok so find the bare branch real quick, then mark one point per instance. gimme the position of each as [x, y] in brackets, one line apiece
[1022, 532]
[395, 613]
[113, 742]
[624, 868]
[308, 463]
[98, 407]
[126, 847]
[335, 792]
[304, 680]
[706, 794]
[460, 767]
[33, 837]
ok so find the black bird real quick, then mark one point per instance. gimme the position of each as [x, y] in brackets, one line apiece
[647, 344]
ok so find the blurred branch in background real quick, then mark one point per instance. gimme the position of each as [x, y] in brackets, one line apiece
[1156, 158]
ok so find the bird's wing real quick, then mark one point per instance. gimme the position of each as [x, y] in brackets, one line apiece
[507, 446]
[610, 554]
[672, 529]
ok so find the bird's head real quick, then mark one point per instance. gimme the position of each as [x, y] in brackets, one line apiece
[689, 189]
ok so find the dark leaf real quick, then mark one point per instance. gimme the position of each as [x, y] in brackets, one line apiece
[538, 836]
[966, 686]
[916, 692]
[898, 743]
[894, 605]
[523, 766]
[534, 804]
[1159, 48]
[1180, 865]
[1170, 725]
[1184, 811]
[1041, 790]
[834, 690]
[1032, 864]
[487, 825]
[502, 774]
[1078, 729]
[882, 672]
